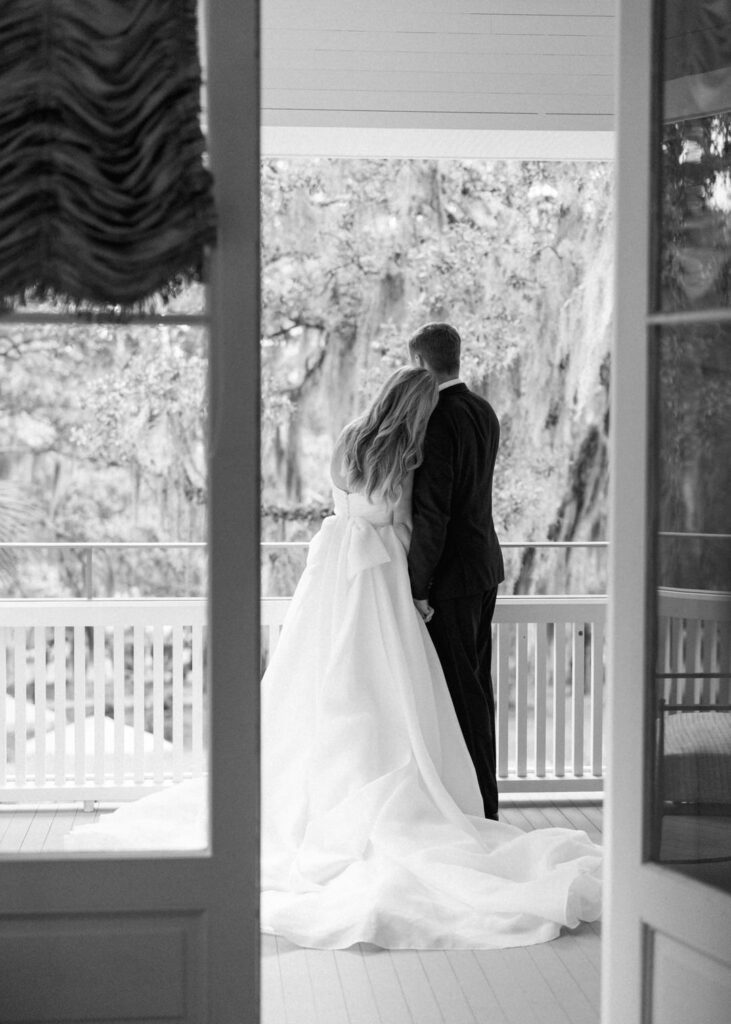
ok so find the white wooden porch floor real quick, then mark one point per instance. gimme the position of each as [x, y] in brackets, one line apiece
[552, 983]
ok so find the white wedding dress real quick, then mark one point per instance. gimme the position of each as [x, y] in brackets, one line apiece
[372, 826]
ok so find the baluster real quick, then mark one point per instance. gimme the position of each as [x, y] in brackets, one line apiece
[59, 704]
[138, 701]
[597, 695]
[559, 700]
[197, 696]
[99, 705]
[177, 698]
[724, 662]
[20, 680]
[541, 686]
[521, 699]
[118, 705]
[79, 705]
[503, 697]
[692, 662]
[40, 704]
[158, 703]
[577, 697]
[675, 639]
[663, 655]
[708, 642]
[4, 632]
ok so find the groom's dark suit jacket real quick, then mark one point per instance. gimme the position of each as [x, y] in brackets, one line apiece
[454, 549]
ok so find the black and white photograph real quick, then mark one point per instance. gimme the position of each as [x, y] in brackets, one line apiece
[365, 512]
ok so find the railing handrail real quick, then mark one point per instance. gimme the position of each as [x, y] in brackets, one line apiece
[89, 548]
[528, 600]
[666, 594]
[201, 544]
[99, 545]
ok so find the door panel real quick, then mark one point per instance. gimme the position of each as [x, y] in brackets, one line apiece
[174, 937]
[103, 968]
[680, 977]
[668, 923]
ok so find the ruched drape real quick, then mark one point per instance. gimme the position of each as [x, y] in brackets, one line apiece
[105, 199]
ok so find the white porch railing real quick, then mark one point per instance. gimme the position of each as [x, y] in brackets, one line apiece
[548, 672]
[549, 677]
[90, 681]
[107, 698]
[694, 647]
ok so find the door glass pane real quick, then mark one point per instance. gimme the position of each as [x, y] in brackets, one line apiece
[691, 827]
[103, 574]
[102, 610]
[694, 266]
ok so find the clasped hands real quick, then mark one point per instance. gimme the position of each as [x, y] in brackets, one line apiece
[423, 608]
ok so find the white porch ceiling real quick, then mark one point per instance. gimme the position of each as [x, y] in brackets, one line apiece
[438, 78]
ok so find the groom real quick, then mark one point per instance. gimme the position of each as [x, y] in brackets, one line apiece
[455, 562]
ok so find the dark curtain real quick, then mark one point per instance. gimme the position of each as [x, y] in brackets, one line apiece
[104, 196]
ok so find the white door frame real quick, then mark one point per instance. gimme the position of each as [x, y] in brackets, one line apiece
[99, 937]
[641, 898]
[626, 608]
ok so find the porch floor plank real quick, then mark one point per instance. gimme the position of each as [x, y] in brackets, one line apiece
[390, 1001]
[356, 985]
[19, 822]
[414, 981]
[63, 821]
[299, 998]
[326, 987]
[580, 966]
[560, 817]
[571, 998]
[36, 834]
[512, 989]
[476, 987]
[272, 993]
[6, 816]
[551, 983]
[577, 816]
[539, 993]
[449, 994]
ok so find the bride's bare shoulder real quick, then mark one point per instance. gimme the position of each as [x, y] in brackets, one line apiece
[338, 471]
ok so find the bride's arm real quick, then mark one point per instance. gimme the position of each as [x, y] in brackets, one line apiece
[402, 511]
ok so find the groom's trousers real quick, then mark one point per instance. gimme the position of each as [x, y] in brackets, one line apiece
[461, 629]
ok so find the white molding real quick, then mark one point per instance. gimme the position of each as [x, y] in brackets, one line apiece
[435, 143]
[622, 937]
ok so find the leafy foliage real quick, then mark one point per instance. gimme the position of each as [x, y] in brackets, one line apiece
[105, 427]
[356, 254]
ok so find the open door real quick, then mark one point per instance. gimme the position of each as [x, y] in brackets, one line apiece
[667, 954]
[174, 936]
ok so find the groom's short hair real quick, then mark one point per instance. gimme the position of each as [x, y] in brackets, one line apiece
[438, 345]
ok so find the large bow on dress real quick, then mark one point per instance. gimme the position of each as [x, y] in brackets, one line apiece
[364, 547]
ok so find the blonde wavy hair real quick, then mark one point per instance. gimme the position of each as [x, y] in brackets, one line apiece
[387, 441]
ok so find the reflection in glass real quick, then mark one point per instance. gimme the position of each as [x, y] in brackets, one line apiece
[696, 58]
[694, 457]
[692, 786]
[695, 228]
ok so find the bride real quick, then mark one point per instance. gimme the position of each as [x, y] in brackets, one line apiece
[372, 818]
